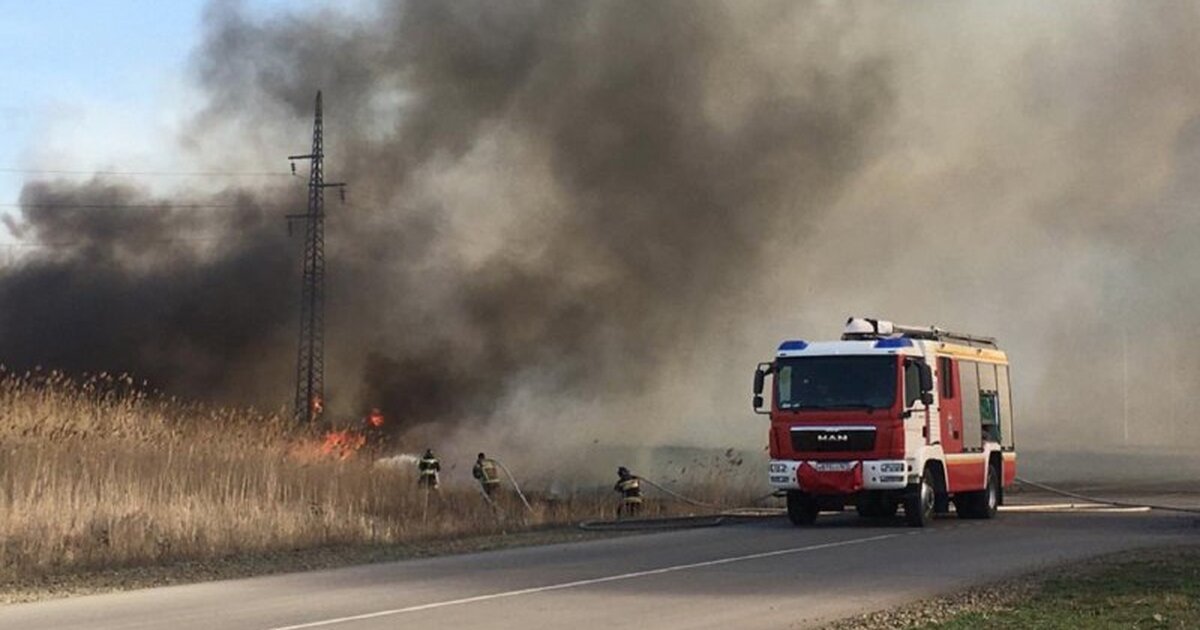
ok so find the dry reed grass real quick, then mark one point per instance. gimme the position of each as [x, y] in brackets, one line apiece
[100, 474]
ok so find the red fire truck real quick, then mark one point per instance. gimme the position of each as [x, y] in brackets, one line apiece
[890, 416]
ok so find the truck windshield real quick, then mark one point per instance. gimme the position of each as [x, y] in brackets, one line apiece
[836, 382]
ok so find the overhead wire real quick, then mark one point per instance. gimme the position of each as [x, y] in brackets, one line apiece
[119, 173]
[73, 243]
[136, 173]
[134, 206]
[169, 206]
[161, 206]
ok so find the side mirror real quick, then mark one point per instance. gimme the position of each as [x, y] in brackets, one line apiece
[926, 376]
[760, 376]
[927, 398]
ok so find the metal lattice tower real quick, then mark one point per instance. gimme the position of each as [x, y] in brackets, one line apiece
[310, 357]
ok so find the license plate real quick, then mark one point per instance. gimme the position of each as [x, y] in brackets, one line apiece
[833, 466]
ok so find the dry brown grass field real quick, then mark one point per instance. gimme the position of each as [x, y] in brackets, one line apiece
[98, 474]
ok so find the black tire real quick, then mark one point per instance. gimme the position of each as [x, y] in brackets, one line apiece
[991, 494]
[918, 503]
[981, 504]
[873, 505]
[867, 505]
[802, 508]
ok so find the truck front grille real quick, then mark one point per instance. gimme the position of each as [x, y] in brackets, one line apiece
[830, 439]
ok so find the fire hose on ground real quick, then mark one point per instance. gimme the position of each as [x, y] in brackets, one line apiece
[517, 487]
[708, 520]
[673, 522]
[723, 515]
[513, 481]
[1124, 504]
[712, 520]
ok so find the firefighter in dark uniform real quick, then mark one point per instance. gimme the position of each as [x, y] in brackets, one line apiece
[630, 487]
[488, 474]
[427, 470]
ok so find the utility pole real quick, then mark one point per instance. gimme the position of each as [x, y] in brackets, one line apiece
[310, 357]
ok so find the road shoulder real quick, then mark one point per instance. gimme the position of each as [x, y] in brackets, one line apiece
[61, 585]
[1147, 587]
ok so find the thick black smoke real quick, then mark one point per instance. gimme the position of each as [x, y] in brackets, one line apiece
[129, 283]
[567, 216]
[547, 195]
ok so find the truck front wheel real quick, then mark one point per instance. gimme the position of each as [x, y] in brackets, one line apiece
[802, 508]
[918, 503]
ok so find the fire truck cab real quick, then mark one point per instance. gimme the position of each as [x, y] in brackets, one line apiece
[890, 417]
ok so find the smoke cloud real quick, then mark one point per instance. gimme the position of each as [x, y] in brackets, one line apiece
[572, 222]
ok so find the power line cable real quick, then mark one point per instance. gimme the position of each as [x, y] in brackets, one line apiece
[116, 173]
[164, 206]
[123, 241]
[143, 206]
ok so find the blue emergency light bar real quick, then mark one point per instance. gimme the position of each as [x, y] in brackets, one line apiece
[794, 344]
[894, 342]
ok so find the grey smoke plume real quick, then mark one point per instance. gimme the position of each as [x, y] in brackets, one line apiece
[573, 217]
[553, 193]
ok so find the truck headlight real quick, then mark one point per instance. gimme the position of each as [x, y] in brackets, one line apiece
[777, 468]
[891, 467]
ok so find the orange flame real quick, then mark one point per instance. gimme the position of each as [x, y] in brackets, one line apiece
[342, 444]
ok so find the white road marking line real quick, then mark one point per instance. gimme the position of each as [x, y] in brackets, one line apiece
[1070, 507]
[1050, 506]
[565, 585]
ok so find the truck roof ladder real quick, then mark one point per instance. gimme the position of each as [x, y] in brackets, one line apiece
[864, 328]
[937, 334]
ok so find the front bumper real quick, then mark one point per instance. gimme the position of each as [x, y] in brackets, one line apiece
[837, 477]
[781, 473]
[885, 474]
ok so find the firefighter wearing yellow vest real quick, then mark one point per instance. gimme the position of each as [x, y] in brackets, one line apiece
[487, 473]
[428, 469]
[630, 487]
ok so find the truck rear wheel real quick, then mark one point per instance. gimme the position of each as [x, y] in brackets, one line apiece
[981, 503]
[801, 508]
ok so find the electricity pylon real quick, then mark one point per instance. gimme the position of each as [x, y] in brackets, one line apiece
[310, 356]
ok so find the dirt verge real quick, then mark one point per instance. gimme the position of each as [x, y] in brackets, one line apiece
[1136, 588]
[53, 586]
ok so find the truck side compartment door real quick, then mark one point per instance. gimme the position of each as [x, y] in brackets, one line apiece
[972, 440]
[966, 473]
[950, 406]
[989, 404]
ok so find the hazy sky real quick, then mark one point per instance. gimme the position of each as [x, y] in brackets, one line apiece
[101, 84]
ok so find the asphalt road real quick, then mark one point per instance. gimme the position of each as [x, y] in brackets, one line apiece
[761, 574]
